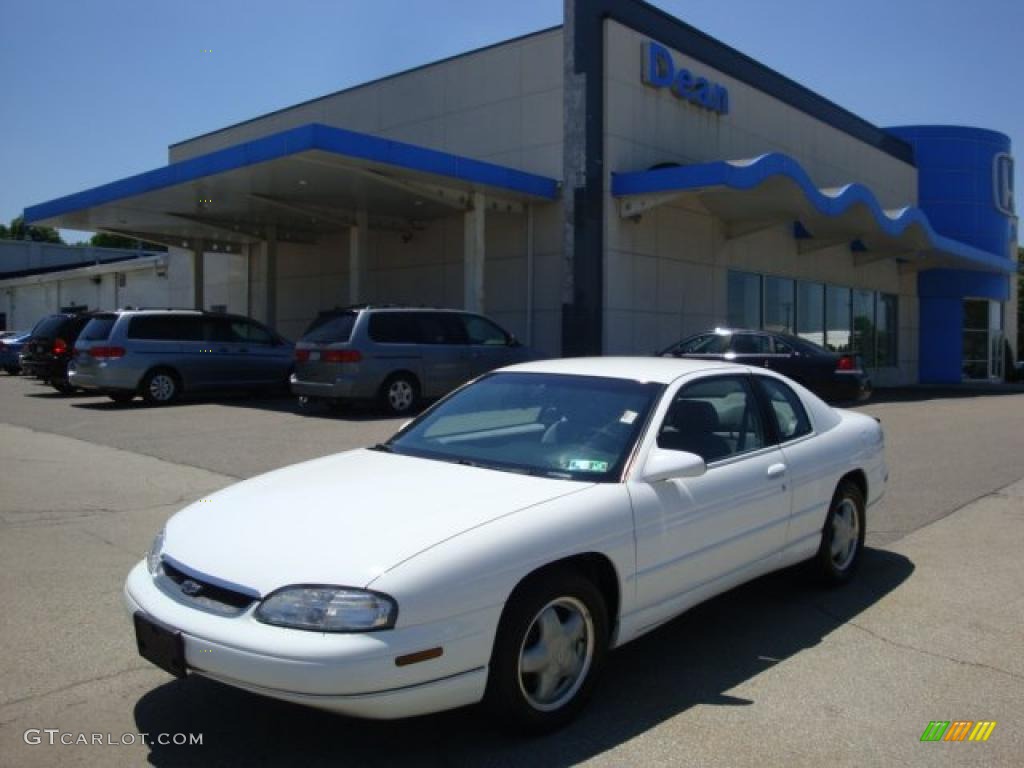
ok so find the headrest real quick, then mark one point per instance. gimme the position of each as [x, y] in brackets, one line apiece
[694, 416]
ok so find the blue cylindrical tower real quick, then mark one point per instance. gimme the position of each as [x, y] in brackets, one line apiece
[965, 186]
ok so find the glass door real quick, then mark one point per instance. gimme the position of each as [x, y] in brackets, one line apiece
[982, 339]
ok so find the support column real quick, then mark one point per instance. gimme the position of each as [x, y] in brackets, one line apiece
[271, 284]
[358, 238]
[529, 274]
[474, 255]
[199, 274]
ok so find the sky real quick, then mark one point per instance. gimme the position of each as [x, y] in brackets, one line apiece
[91, 92]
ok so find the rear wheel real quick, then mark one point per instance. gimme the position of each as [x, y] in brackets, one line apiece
[842, 540]
[399, 394]
[13, 370]
[550, 647]
[160, 387]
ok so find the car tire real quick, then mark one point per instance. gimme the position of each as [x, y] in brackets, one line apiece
[842, 539]
[399, 394]
[64, 389]
[12, 370]
[122, 398]
[549, 650]
[161, 386]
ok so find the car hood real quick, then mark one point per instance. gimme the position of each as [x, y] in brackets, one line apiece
[343, 519]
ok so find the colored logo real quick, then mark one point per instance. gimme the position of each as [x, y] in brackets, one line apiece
[1002, 178]
[958, 730]
[659, 71]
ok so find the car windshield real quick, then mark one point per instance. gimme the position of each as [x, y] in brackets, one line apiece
[331, 328]
[552, 425]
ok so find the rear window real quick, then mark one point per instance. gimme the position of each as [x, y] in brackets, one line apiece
[331, 328]
[49, 326]
[166, 328]
[98, 329]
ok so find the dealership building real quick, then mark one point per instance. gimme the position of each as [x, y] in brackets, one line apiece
[603, 187]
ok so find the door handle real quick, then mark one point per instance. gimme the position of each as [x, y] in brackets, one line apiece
[776, 470]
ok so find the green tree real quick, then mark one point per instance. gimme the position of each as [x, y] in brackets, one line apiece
[19, 230]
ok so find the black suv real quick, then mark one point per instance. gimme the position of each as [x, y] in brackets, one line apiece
[51, 347]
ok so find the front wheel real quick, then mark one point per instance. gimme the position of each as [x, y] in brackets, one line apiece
[64, 389]
[842, 540]
[551, 644]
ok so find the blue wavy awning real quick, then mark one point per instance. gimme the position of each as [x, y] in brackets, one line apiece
[775, 187]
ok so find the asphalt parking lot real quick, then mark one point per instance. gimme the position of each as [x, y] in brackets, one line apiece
[775, 673]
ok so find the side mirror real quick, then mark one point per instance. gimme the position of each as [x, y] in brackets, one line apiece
[672, 465]
[513, 341]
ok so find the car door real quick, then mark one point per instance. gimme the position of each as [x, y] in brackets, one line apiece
[811, 478]
[488, 346]
[750, 348]
[784, 359]
[445, 363]
[699, 536]
[263, 360]
[222, 362]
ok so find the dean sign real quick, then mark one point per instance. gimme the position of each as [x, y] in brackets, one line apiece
[659, 71]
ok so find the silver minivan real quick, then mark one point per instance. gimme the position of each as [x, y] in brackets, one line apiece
[398, 355]
[160, 354]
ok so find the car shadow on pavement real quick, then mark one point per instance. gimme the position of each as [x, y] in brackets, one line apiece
[694, 660]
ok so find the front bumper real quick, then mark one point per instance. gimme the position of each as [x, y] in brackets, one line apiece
[353, 674]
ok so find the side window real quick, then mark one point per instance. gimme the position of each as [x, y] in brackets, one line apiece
[705, 344]
[751, 344]
[479, 330]
[781, 347]
[393, 328]
[714, 418]
[439, 328]
[164, 328]
[789, 412]
[218, 329]
[243, 330]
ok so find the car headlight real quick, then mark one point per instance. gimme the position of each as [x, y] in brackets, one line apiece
[328, 609]
[154, 556]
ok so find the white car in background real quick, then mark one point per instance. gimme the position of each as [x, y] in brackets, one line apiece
[500, 544]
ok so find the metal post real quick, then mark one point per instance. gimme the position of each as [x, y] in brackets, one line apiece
[529, 274]
[271, 286]
[358, 237]
[198, 274]
[473, 254]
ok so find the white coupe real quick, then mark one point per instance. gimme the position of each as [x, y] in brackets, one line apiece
[500, 544]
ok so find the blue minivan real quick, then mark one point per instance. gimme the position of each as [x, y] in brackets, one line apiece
[160, 354]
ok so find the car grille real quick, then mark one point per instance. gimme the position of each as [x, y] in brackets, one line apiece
[201, 594]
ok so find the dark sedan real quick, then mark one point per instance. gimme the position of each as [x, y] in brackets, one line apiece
[830, 375]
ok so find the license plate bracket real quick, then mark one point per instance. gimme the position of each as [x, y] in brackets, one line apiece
[160, 644]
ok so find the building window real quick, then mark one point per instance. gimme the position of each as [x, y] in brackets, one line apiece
[863, 303]
[887, 328]
[779, 304]
[837, 318]
[810, 312]
[744, 300]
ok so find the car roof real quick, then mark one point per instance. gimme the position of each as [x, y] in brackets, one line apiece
[663, 370]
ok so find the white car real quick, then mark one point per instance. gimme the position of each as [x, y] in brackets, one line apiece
[500, 544]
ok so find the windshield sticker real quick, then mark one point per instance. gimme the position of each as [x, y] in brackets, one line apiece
[629, 417]
[584, 465]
